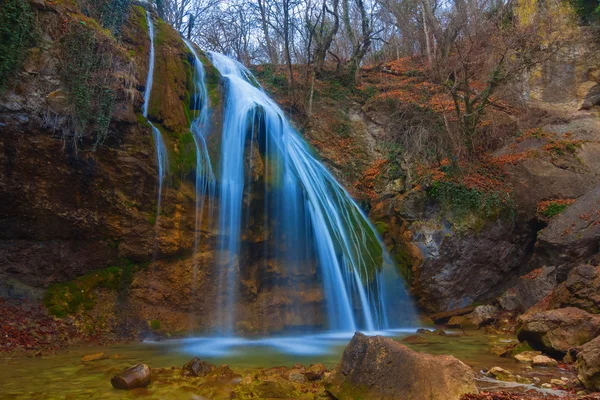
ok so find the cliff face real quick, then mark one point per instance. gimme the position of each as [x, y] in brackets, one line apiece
[67, 211]
[79, 223]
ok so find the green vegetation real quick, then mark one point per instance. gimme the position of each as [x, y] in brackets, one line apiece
[381, 227]
[185, 159]
[554, 209]
[404, 262]
[17, 35]
[462, 201]
[154, 324]
[112, 14]
[269, 77]
[587, 10]
[66, 298]
[86, 70]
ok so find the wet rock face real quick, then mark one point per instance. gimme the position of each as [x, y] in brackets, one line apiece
[556, 331]
[588, 365]
[381, 368]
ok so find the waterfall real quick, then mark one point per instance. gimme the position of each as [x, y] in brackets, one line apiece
[161, 150]
[205, 178]
[312, 216]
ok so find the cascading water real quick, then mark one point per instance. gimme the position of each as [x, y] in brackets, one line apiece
[205, 178]
[161, 150]
[313, 217]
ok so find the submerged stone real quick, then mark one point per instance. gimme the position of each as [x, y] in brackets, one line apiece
[500, 374]
[94, 357]
[197, 367]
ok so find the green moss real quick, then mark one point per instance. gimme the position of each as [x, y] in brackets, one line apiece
[137, 17]
[141, 120]
[69, 297]
[554, 209]
[518, 349]
[185, 158]
[154, 324]
[462, 201]
[381, 227]
[404, 262]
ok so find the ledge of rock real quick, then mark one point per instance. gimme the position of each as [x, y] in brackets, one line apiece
[557, 331]
[572, 236]
[379, 368]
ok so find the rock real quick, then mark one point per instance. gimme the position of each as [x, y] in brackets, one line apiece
[39, 4]
[446, 315]
[558, 382]
[381, 368]
[556, 331]
[523, 380]
[197, 367]
[549, 181]
[500, 374]
[222, 373]
[296, 377]
[589, 92]
[573, 236]
[588, 365]
[546, 386]
[415, 339]
[463, 267]
[455, 321]
[277, 388]
[581, 290]
[138, 376]
[59, 102]
[526, 356]
[534, 286]
[508, 300]
[315, 372]
[94, 357]
[481, 316]
[543, 361]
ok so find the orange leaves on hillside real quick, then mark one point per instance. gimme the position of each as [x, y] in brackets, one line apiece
[367, 184]
[406, 65]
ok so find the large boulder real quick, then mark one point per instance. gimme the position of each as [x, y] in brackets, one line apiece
[534, 286]
[581, 290]
[379, 368]
[556, 331]
[588, 365]
[573, 236]
[481, 316]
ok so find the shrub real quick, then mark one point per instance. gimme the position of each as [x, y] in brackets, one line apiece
[462, 200]
[66, 298]
[86, 72]
[17, 35]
